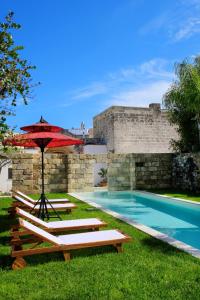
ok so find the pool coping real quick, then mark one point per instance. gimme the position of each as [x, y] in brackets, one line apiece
[174, 198]
[152, 232]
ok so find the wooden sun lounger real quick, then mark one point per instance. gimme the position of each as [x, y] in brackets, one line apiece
[56, 226]
[27, 198]
[20, 202]
[65, 243]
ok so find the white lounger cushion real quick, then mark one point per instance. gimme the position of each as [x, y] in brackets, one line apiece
[58, 205]
[74, 223]
[59, 224]
[40, 232]
[36, 207]
[27, 215]
[34, 201]
[77, 238]
[24, 201]
[91, 237]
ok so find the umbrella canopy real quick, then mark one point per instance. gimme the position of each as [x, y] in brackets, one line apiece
[42, 139]
[42, 125]
[43, 135]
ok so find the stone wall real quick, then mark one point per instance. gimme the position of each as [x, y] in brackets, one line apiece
[75, 172]
[22, 172]
[139, 171]
[81, 171]
[103, 128]
[153, 171]
[135, 130]
[125, 171]
[121, 172]
[27, 172]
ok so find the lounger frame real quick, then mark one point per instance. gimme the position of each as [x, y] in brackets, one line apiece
[32, 201]
[19, 253]
[17, 203]
[16, 232]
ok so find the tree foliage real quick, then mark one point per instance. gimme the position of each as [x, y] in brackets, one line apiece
[103, 173]
[182, 101]
[15, 77]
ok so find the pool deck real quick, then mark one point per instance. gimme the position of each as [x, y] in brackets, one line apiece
[152, 232]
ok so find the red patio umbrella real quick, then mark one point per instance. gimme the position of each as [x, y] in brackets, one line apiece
[42, 135]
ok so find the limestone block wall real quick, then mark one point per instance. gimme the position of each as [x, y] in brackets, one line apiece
[22, 172]
[55, 178]
[121, 172]
[135, 130]
[81, 171]
[75, 172]
[153, 171]
[139, 171]
[103, 128]
[27, 172]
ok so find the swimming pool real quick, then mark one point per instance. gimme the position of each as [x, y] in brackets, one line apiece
[176, 220]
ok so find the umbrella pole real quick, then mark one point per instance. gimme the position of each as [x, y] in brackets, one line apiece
[43, 211]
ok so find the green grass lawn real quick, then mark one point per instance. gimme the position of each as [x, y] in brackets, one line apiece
[177, 194]
[147, 269]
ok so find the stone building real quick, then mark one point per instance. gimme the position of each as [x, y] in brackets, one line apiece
[135, 129]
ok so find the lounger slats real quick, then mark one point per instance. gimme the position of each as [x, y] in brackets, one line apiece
[59, 206]
[77, 239]
[26, 197]
[65, 243]
[31, 217]
[62, 225]
[92, 237]
[76, 223]
[40, 232]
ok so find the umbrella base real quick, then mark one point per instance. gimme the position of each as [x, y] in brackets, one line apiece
[43, 212]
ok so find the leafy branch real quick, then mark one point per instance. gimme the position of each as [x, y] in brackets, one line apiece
[15, 73]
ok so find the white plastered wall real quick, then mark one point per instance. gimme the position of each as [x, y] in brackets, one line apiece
[5, 183]
[96, 149]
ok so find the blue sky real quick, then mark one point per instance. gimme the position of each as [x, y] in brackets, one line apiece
[91, 54]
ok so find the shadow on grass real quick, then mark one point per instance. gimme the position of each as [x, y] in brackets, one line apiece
[5, 240]
[5, 209]
[5, 262]
[40, 259]
[92, 251]
[6, 222]
[156, 245]
[58, 256]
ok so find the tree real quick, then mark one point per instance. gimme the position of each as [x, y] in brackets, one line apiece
[15, 77]
[182, 101]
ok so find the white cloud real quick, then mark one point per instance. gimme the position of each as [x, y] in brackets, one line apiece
[141, 96]
[156, 68]
[190, 28]
[180, 22]
[84, 93]
[93, 89]
[137, 86]
[191, 3]
[156, 23]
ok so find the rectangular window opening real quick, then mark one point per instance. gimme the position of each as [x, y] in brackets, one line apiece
[9, 173]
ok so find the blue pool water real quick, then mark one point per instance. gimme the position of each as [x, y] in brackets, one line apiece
[179, 220]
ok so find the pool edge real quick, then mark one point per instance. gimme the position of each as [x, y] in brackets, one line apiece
[174, 198]
[152, 232]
